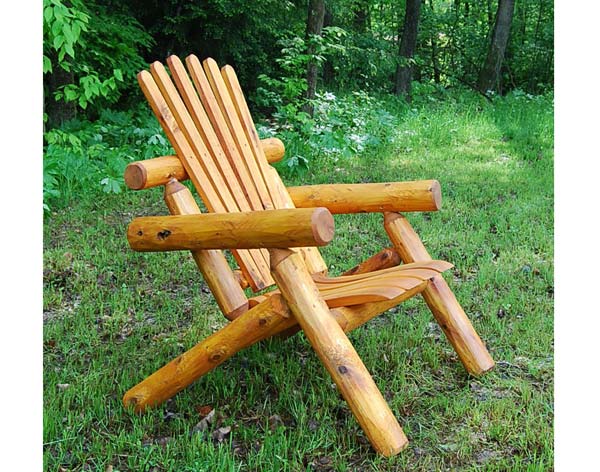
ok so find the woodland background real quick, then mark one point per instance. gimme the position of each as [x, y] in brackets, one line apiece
[285, 53]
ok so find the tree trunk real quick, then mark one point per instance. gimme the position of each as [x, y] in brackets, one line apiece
[489, 77]
[434, 56]
[408, 45]
[361, 18]
[58, 111]
[314, 27]
[328, 71]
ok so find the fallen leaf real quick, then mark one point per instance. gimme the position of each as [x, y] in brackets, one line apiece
[204, 410]
[485, 456]
[274, 422]
[449, 447]
[220, 433]
[419, 452]
[63, 386]
[202, 425]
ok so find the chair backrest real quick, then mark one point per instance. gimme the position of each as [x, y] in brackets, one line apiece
[208, 122]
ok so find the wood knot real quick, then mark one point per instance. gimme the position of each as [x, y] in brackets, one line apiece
[140, 233]
[164, 234]
[217, 355]
[342, 369]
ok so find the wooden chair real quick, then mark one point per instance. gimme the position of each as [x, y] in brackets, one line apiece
[273, 233]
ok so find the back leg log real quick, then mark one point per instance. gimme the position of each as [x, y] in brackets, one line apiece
[336, 353]
[441, 301]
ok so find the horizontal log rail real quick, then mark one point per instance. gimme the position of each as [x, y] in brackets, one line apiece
[295, 227]
[149, 173]
[418, 195]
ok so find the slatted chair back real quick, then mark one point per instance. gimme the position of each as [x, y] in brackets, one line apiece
[205, 116]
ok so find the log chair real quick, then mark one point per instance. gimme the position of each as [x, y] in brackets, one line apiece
[273, 233]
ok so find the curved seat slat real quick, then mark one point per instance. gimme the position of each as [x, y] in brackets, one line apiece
[385, 284]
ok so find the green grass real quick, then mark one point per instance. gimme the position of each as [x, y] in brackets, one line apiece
[112, 317]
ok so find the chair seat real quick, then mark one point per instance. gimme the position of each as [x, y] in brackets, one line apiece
[374, 286]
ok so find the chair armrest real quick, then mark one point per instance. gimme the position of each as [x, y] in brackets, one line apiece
[296, 227]
[419, 195]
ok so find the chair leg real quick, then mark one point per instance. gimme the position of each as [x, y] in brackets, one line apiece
[440, 299]
[268, 319]
[336, 352]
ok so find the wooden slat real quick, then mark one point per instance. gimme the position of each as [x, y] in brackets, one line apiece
[213, 74]
[230, 149]
[384, 259]
[178, 140]
[205, 127]
[208, 176]
[243, 113]
[222, 130]
[372, 287]
[424, 270]
[192, 134]
[383, 281]
[194, 106]
[277, 190]
[312, 256]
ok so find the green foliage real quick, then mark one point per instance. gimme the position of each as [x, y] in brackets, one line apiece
[96, 47]
[63, 26]
[85, 156]
[343, 126]
[237, 32]
[286, 92]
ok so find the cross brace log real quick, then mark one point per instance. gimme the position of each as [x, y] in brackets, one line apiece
[267, 319]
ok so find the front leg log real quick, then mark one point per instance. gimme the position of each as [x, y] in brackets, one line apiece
[441, 301]
[336, 352]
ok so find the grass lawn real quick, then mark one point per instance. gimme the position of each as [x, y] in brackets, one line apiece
[112, 317]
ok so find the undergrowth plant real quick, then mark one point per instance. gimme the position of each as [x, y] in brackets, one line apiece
[84, 157]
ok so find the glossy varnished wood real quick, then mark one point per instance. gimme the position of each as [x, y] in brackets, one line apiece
[212, 263]
[443, 304]
[205, 116]
[420, 195]
[241, 230]
[337, 353]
